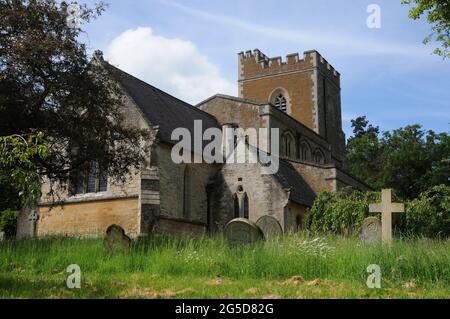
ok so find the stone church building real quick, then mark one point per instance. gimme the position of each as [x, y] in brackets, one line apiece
[300, 96]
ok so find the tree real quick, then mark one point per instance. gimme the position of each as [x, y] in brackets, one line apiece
[17, 157]
[364, 152]
[438, 15]
[415, 160]
[409, 160]
[49, 85]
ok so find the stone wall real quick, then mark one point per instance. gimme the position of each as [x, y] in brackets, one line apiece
[183, 188]
[327, 177]
[266, 196]
[89, 218]
[294, 217]
[227, 109]
[180, 227]
[260, 77]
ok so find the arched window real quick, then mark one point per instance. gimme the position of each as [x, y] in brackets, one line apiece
[280, 99]
[236, 206]
[288, 145]
[305, 151]
[319, 158]
[281, 103]
[186, 192]
[246, 207]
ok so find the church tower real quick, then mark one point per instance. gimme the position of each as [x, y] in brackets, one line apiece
[307, 89]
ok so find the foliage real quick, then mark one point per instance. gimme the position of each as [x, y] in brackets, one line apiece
[8, 222]
[343, 213]
[17, 157]
[408, 160]
[170, 267]
[340, 212]
[438, 15]
[49, 84]
[429, 215]
[364, 153]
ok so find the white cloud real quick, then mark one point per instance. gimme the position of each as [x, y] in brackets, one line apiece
[173, 65]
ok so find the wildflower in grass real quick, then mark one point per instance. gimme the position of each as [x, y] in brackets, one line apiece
[316, 247]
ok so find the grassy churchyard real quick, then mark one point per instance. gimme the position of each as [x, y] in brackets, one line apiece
[295, 266]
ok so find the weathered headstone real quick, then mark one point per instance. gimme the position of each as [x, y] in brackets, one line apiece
[269, 226]
[116, 239]
[241, 231]
[371, 230]
[387, 207]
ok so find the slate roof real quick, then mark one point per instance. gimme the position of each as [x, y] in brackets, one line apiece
[161, 108]
[289, 178]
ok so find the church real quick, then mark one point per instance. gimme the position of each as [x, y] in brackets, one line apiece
[300, 96]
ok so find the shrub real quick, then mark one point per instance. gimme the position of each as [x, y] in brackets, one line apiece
[429, 215]
[341, 212]
[8, 222]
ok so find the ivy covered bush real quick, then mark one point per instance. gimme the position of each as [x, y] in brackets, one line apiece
[429, 215]
[343, 213]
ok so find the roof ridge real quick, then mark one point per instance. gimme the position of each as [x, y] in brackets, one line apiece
[158, 90]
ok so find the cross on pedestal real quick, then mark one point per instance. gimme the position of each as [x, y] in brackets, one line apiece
[386, 207]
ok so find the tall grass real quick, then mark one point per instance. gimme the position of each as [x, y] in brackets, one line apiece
[336, 258]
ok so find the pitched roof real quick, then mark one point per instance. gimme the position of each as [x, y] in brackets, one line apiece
[161, 108]
[289, 178]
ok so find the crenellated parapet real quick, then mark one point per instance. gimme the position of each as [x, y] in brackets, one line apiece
[254, 64]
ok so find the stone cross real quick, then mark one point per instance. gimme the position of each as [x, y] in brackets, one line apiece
[386, 207]
[33, 218]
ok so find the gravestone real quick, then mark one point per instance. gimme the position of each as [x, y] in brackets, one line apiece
[269, 226]
[116, 239]
[241, 231]
[371, 230]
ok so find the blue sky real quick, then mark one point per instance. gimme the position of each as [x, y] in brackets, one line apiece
[189, 48]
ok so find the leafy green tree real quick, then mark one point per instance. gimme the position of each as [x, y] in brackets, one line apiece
[48, 84]
[438, 15]
[17, 157]
[415, 160]
[409, 160]
[364, 152]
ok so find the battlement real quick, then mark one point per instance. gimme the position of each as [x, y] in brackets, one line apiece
[255, 63]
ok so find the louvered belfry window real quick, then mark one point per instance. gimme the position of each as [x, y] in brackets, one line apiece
[281, 103]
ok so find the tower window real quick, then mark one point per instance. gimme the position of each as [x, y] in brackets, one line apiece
[279, 98]
[281, 102]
